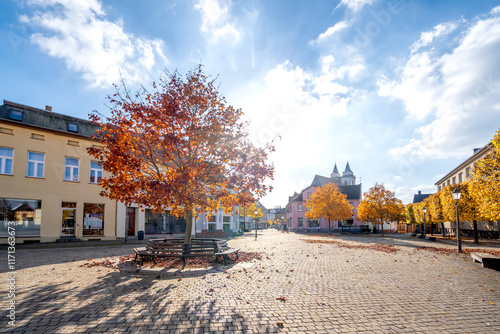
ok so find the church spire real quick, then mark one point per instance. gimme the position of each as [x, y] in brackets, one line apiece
[335, 173]
[335, 170]
[348, 168]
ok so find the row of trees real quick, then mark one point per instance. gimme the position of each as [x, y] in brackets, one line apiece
[480, 200]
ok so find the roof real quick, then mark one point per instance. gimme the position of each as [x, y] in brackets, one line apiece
[348, 168]
[417, 198]
[478, 153]
[33, 117]
[353, 192]
[320, 181]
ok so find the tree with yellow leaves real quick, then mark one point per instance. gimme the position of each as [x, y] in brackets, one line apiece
[330, 203]
[467, 206]
[485, 182]
[380, 206]
[249, 211]
[434, 210]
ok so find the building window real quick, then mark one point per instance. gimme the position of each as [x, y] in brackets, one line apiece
[448, 182]
[301, 223]
[25, 215]
[300, 208]
[460, 177]
[72, 127]
[312, 223]
[95, 172]
[35, 164]
[212, 223]
[453, 180]
[71, 169]
[6, 155]
[93, 219]
[16, 115]
[467, 172]
[309, 194]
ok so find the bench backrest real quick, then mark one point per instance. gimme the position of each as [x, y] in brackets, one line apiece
[197, 245]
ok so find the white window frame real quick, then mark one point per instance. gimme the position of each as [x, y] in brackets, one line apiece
[73, 170]
[97, 178]
[4, 159]
[35, 163]
[300, 208]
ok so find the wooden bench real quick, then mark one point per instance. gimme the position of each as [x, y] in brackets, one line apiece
[486, 259]
[431, 238]
[177, 248]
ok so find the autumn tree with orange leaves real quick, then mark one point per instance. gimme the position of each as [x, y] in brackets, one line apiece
[329, 203]
[380, 206]
[179, 147]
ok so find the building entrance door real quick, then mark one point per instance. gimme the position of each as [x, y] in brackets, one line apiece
[130, 221]
[68, 219]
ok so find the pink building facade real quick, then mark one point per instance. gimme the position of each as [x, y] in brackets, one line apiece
[296, 207]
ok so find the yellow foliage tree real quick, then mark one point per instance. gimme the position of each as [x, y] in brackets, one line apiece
[434, 210]
[410, 215]
[485, 182]
[249, 210]
[329, 203]
[381, 206]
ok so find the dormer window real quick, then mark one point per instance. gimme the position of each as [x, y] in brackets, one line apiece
[72, 127]
[16, 115]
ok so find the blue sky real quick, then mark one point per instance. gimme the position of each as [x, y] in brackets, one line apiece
[403, 90]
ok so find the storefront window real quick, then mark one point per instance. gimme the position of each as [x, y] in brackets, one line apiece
[23, 214]
[93, 219]
[313, 223]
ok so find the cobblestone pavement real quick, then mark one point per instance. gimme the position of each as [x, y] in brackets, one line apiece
[297, 287]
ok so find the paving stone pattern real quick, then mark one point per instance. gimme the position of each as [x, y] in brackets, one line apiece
[297, 287]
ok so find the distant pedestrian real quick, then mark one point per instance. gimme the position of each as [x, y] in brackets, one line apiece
[285, 229]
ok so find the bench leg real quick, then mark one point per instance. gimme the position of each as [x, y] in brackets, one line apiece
[225, 259]
[183, 263]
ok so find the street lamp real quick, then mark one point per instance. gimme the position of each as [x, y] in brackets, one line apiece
[424, 210]
[456, 196]
[256, 212]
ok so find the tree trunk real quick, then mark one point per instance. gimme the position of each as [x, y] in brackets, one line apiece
[382, 227]
[476, 233]
[442, 227]
[329, 227]
[189, 226]
[432, 228]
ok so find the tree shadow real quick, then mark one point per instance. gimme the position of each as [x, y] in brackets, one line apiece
[132, 302]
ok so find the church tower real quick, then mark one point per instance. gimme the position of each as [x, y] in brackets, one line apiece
[335, 173]
[348, 177]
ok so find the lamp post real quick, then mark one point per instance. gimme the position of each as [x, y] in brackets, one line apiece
[256, 212]
[424, 210]
[456, 196]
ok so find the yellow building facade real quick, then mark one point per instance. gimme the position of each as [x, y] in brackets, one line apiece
[48, 182]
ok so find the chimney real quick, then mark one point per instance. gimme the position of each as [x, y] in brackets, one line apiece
[420, 192]
[48, 108]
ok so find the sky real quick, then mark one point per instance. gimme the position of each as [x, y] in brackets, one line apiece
[403, 90]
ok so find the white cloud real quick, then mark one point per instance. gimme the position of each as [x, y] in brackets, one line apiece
[303, 107]
[331, 31]
[216, 20]
[78, 32]
[451, 96]
[355, 5]
[441, 30]
[406, 193]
